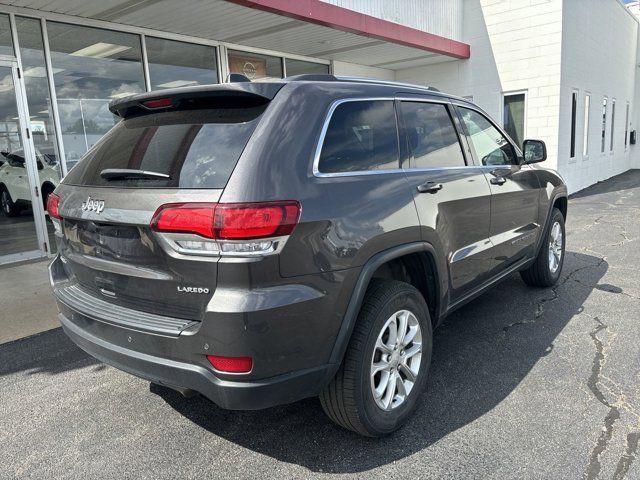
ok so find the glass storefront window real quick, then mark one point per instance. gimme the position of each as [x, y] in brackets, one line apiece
[36, 84]
[91, 67]
[299, 67]
[254, 65]
[175, 64]
[6, 42]
[37, 88]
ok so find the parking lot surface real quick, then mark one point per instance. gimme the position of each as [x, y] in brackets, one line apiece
[525, 383]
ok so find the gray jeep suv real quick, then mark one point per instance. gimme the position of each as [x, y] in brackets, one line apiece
[259, 243]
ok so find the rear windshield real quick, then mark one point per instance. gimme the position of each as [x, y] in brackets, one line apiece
[195, 148]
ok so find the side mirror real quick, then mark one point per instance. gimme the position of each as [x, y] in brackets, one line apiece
[535, 151]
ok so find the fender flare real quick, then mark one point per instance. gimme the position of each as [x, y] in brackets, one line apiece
[357, 297]
[547, 220]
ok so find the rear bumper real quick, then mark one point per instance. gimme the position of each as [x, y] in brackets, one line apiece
[185, 377]
[153, 348]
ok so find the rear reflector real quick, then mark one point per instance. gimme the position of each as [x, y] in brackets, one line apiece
[230, 221]
[158, 103]
[231, 364]
[53, 206]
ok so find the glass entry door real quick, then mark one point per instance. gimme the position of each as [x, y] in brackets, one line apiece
[22, 223]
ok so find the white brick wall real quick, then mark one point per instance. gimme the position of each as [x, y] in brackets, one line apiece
[515, 46]
[441, 17]
[599, 56]
[548, 48]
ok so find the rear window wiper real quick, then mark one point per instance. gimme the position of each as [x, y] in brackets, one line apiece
[126, 173]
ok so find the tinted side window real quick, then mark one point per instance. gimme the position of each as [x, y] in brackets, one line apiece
[432, 138]
[491, 147]
[361, 136]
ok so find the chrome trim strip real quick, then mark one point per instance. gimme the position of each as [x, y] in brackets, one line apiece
[470, 250]
[336, 103]
[316, 158]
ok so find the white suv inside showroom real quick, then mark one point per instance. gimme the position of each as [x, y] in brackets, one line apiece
[15, 194]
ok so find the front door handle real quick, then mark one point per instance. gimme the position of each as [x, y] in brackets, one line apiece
[498, 181]
[430, 187]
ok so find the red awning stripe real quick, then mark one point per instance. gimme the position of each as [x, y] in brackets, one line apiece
[332, 16]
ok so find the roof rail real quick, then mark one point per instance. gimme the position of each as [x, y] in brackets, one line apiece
[384, 82]
[315, 77]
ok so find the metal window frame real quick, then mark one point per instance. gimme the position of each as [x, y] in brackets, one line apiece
[573, 127]
[443, 100]
[627, 126]
[604, 114]
[586, 124]
[28, 147]
[612, 126]
[510, 93]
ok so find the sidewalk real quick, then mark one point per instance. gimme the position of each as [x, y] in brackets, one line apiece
[26, 304]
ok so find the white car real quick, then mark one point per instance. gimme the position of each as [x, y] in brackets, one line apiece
[15, 194]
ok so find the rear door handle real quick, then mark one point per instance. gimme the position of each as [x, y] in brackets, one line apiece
[430, 187]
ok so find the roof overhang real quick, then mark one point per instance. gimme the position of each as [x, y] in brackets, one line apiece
[306, 29]
[345, 20]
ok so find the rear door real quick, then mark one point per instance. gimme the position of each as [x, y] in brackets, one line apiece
[514, 190]
[452, 197]
[109, 198]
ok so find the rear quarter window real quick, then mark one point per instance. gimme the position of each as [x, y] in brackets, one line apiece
[195, 148]
[361, 136]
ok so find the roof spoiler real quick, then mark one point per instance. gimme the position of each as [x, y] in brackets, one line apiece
[241, 94]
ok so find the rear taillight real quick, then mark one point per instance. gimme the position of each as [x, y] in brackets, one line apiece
[53, 206]
[231, 228]
[231, 364]
[237, 221]
[194, 218]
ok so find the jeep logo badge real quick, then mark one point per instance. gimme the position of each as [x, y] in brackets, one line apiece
[93, 205]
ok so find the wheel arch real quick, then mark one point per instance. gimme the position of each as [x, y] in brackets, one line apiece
[373, 268]
[561, 202]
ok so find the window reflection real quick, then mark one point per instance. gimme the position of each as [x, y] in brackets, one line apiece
[299, 67]
[254, 65]
[175, 64]
[91, 67]
[37, 88]
[6, 42]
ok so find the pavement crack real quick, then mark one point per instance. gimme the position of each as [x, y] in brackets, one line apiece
[540, 304]
[628, 457]
[594, 466]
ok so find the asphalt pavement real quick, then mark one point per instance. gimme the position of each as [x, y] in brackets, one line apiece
[525, 383]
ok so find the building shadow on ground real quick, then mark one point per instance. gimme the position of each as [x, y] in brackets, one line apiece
[49, 352]
[481, 354]
[623, 182]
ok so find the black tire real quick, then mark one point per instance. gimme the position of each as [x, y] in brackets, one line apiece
[348, 400]
[540, 273]
[7, 205]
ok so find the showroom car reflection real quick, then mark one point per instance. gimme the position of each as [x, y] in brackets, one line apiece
[15, 194]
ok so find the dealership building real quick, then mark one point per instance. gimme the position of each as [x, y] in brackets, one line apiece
[563, 71]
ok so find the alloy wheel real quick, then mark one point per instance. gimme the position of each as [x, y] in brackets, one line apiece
[395, 363]
[555, 247]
